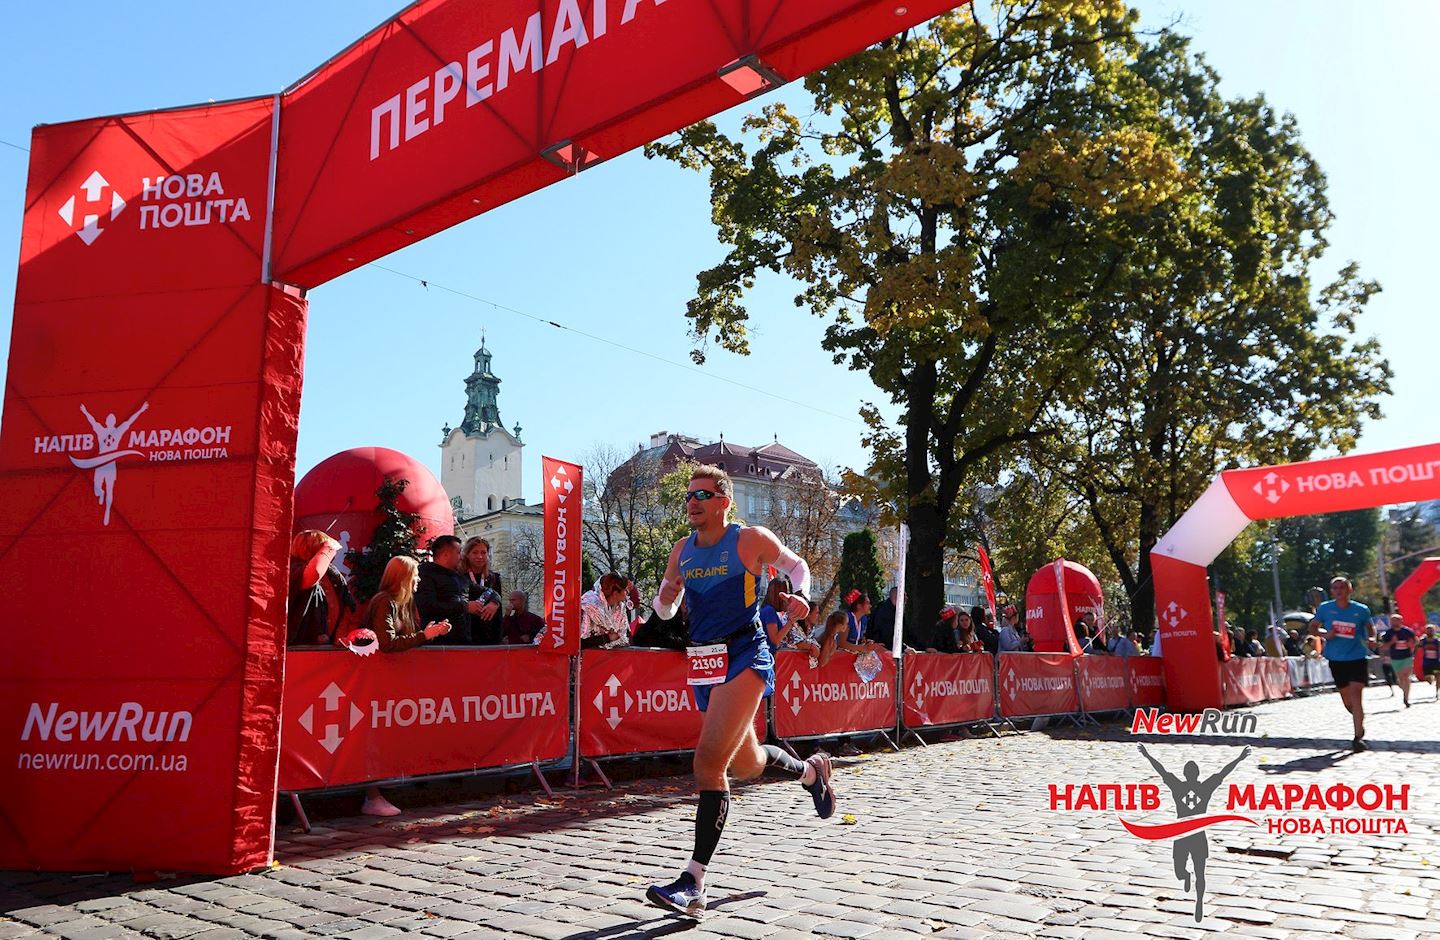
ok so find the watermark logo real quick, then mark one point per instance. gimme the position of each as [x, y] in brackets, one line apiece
[1282, 809]
[1192, 798]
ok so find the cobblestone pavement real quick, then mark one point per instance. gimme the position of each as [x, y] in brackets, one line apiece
[953, 840]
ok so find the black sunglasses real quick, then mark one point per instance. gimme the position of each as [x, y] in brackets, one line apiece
[702, 495]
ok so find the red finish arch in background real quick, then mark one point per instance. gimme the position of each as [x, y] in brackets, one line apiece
[1408, 595]
[1236, 498]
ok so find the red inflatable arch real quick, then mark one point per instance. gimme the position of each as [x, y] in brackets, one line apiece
[1408, 595]
[155, 366]
[1233, 501]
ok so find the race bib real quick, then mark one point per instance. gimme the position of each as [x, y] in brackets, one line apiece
[708, 664]
[1342, 628]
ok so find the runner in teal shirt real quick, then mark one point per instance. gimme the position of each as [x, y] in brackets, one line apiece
[1345, 627]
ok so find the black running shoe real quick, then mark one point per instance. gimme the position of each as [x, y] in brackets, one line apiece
[821, 791]
[681, 896]
[1358, 745]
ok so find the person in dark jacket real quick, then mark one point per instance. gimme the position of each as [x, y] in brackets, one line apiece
[881, 628]
[445, 594]
[985, 630]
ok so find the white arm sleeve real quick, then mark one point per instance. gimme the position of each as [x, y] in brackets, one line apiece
[793, 567]
[667, 611]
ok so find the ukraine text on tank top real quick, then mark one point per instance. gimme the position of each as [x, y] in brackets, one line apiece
[723, 597]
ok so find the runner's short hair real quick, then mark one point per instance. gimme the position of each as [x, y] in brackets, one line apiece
[720, 478]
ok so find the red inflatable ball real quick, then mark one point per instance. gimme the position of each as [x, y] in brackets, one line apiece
[1043, 620]
[338, 496]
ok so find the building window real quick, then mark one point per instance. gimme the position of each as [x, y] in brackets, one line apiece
[752, 504]
[490, 504]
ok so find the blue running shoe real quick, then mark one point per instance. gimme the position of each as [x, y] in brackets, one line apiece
[681, 896]
[821, 790]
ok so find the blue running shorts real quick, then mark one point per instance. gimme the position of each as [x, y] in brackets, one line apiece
[747, 651]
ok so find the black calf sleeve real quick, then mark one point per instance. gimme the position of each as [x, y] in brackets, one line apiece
[710, 822]
[780, 759]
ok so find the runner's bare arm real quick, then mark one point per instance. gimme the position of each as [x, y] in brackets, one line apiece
[1170, 779]
[91, 418]
[760, 547]
[672, 588]
[1225, 771]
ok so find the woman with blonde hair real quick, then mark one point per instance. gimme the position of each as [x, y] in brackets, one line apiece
[391, 616]
[476, 571]
[391, 613]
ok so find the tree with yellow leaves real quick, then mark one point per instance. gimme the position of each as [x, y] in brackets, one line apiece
[937, 211]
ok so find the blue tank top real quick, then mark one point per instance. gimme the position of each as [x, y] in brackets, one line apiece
[1347, 630]
[723, 597]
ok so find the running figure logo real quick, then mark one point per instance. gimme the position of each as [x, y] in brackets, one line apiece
[107, 451]
[1192, 797]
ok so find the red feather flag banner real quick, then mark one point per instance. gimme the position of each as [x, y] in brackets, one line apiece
[987, 578]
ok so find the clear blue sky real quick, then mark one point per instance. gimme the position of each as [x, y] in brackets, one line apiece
[615, 250]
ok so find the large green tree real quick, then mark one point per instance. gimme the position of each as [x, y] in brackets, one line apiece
[1218, 348]
[934, 215]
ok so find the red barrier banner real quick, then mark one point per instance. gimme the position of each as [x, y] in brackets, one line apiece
[350, 719]
[149, 421]
[1104, 683]
[1147, 681]
[562, 556]
[1241, 682]
[832, 698]
[1037, 684]
[1274, 678]
[948, 688]
[637, 702]
[454, 107]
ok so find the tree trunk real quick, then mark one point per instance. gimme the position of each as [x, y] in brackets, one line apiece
[925, 567]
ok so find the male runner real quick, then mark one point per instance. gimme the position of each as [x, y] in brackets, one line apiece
[1192, 797]
[1398, 646]
[1430, 658]
[716, 569]
[1345, 625]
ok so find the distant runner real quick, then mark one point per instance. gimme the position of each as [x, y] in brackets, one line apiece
[1398, 645]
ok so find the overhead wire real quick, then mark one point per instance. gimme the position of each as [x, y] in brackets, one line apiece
[546, 321]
